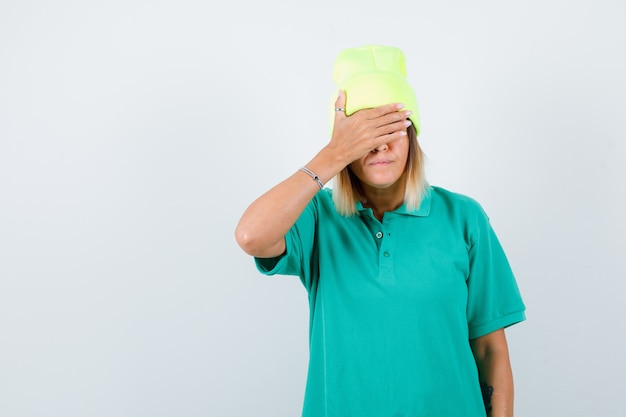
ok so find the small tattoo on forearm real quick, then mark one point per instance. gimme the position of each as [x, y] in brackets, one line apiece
[487, 391]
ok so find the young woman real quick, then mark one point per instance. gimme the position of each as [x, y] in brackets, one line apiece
[409, 289]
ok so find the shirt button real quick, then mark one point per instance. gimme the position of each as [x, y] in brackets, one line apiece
[379, 235]
[386, 254]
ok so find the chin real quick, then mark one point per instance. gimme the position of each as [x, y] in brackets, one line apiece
[382, 183]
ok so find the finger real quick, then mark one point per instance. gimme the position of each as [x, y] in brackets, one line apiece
[392, 137]
[384, 110]
[340, 105]
[395, 117]
[392, 128]
[388, 138]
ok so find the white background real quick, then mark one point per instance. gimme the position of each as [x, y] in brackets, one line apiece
[133, 134]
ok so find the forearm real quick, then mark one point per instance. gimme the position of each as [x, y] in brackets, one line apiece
[496, 377]
[262, 228]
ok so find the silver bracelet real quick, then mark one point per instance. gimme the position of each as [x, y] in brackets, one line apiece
[312, 174]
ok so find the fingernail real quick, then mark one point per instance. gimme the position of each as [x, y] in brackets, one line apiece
[407, 123]
[400, 106]
[408, 113]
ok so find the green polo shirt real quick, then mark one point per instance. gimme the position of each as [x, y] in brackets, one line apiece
[393, 305]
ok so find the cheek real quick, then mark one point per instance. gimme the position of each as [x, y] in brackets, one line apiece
[357, 166]
[402, 151]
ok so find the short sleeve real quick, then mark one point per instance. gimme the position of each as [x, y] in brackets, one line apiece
[300, 256]
[494, 299]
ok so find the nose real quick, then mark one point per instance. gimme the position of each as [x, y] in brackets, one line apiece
[381, 148]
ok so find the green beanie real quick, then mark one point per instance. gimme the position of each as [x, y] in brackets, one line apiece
[372, 76]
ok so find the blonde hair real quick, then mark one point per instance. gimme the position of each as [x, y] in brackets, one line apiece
[348, 190]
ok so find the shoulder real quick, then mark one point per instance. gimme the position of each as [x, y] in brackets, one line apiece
[462, 211]
[324, 198]
[455, 202]
[322, 203]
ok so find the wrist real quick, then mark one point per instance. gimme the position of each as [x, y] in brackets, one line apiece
[327, 163]
[312, 175]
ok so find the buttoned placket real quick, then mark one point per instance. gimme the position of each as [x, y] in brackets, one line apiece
[386, 257]
[384, 237]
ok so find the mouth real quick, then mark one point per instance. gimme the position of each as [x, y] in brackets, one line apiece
[381, 162]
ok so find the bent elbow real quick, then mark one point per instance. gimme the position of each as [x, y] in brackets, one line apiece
[255, 244]
[246, 241]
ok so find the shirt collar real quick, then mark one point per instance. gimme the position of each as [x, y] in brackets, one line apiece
[422, 211]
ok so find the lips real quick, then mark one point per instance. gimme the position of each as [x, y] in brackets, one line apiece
[380, 162]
